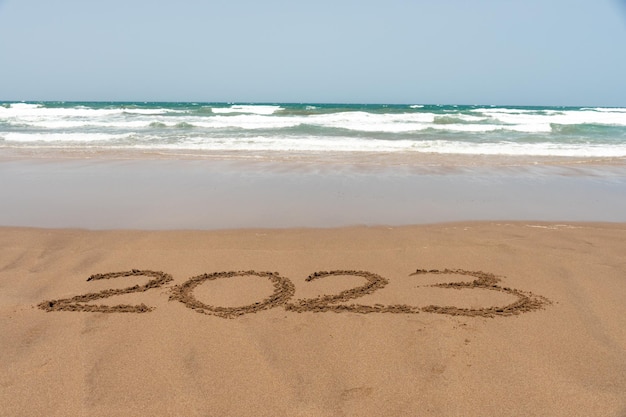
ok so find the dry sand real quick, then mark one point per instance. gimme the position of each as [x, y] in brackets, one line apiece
[530, 321]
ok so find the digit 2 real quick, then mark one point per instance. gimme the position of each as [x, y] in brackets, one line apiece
[328, 302]
[74, 303]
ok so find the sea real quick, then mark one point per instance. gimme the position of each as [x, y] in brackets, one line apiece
[321, 129]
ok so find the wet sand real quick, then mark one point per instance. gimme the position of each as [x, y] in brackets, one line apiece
[162, 194]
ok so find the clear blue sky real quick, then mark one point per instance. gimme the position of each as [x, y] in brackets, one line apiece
[543, 52]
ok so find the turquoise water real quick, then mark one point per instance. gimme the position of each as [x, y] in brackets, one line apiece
[315, 128]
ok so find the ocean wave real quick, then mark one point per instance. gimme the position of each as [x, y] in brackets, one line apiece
[29, 110]
[456, 119]
[272, 117]
[606, 109]
[564, 117]
[318, 127]
[590, 132]
[184, 125]
[25, 110]
[374, 122]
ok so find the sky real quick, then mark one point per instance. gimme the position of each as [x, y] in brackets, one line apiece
[515, 52]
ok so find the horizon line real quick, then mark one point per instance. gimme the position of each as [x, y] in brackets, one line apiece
[338, 103]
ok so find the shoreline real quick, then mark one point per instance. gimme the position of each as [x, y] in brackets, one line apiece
[365, 159]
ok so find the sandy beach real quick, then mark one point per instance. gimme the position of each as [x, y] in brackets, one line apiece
[315, 322]
[226, 287]
[312, 209]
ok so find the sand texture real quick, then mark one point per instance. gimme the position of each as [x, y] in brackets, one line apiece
[456, 319]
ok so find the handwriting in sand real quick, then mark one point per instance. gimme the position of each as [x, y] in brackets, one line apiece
[284, 290]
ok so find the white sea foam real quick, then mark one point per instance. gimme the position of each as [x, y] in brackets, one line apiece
[38, 111]
[34, 111]
[53, 123]
[565, 117]
[23, 106]
[247, 108]
[288, 144]
[149, 111]
[373, 122]
[63, 137]
[350, 144]
[606, 109]
[478, 128]
[247, 121]
[535, 149]
[318, 144]
[502, 110]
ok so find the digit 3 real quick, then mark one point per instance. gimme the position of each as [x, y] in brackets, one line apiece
[486, 281]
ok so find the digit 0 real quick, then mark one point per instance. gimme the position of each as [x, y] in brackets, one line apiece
[283, 291]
